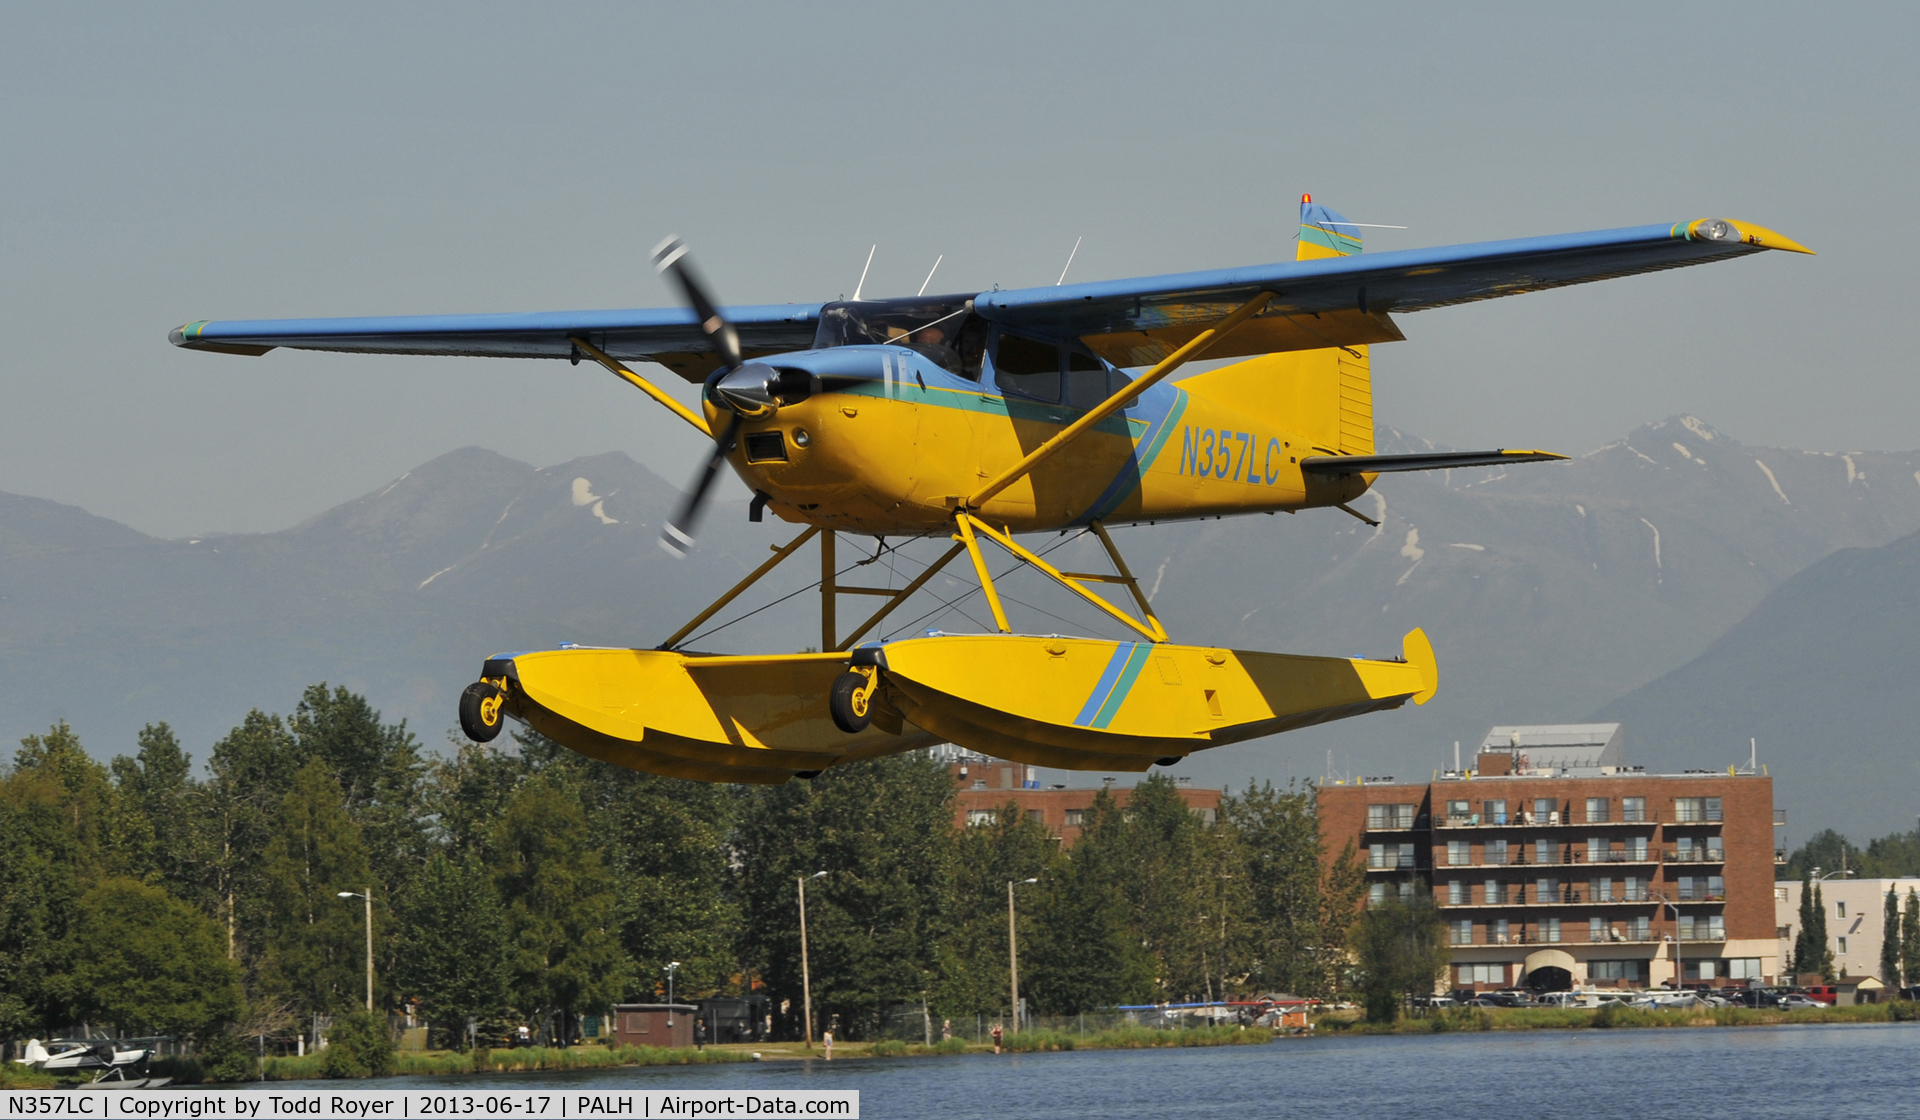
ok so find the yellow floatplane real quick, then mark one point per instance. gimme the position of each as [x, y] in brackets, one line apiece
[972, 419]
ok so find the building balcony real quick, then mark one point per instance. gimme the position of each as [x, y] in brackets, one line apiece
[1534, 820]
[1554, 859]
[1696, 855]
[1565, 898]
[1392, 863]
[1579, 937]
[1704, 816]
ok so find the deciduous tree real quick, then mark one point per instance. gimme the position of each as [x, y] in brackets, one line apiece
[147, 963]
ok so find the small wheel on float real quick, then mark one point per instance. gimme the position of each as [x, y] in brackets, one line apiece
[480, 714]
[850, 702]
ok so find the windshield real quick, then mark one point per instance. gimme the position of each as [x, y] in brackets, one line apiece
[944, 329]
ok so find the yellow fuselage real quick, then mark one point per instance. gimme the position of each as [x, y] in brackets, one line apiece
[897, 457]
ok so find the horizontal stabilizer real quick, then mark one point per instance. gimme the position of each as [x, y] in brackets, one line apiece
[1435, 461]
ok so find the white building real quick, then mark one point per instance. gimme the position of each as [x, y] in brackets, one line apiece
[1856, 915]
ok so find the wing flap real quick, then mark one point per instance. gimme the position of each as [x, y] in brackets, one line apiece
[1336, 465]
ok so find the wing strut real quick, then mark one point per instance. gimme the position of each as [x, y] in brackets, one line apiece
[1120, 400]
[649, 388]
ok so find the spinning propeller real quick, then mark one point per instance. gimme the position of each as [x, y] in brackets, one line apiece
[744, 389]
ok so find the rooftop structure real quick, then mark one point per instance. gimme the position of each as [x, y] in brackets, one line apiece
[1575, 747]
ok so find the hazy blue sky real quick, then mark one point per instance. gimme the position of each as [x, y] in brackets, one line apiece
[160, 164]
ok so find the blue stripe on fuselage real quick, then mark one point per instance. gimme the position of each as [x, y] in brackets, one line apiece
[1145, 450]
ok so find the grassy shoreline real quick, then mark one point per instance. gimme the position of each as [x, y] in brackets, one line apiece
[1575, 1018]
[538, 1059]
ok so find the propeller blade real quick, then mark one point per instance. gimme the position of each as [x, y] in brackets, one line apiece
[677, 535]
[670, 257]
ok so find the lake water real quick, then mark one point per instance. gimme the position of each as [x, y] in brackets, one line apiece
[1749, 1072]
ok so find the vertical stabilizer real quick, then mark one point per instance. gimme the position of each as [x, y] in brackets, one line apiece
[1324, 395]
[1324, 233]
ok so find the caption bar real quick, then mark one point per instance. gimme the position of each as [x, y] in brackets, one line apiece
[383, 1104]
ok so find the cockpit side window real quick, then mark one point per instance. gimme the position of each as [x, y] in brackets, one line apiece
[1027, 367]
[941, 329]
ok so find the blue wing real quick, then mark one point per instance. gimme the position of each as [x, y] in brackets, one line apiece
[1346, 301]
[665, 335]
[1341, 301]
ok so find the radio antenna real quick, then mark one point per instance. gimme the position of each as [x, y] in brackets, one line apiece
[931, 271]
[1070, 256]
[863, 275]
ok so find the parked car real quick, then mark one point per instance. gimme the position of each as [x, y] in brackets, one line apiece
[1910, 993]
[1558, 999]
[1756, 997]
[1825, 993]
[1794, 1001]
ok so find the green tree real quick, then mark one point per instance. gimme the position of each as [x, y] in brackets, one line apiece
[1170, 876]
[453, 944]
[883, 829]
[157, 784]
[252, 767]
[1827, 850]
[1299, 904]
[146, 962]
[972, 964]
[1806, 954]
[466, 794]
[1402, 952]
[1910, 940]
[1890, 939]
[41, 876]
[359, 1045]
[560, 900]
[379, 770]
[314, 942]
[1083, 953]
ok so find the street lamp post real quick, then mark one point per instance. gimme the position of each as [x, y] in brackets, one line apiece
[1013, 956]
[672, 967]
[369, 897]
[1679, 953]
[806, 978]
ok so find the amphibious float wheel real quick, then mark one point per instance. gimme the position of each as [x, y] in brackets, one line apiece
[480, 714]
[849, 702]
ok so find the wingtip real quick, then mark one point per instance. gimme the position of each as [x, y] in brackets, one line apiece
[1418, 652]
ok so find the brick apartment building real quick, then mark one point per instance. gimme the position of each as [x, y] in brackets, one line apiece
[987, 784]
[1556, 865]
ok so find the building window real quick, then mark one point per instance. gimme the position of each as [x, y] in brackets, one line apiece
[1843, 946]
[1597, 849]
[1686, 889]
[1596, 929]
[1497, 931]
[1037, 816]
[1602, 890]
[1633, 808]
[1459, 853]
[1406, 891]
[1546, 890]
[1784, 933]
[1840, 911]
[1635, 889]
[1716, 888]
[1550, 930]
[1377, 894]
[1596, 810]
[1497, 852]
[1456, 893]
[1545, 810]
[1459, 810]
[1073, 817]
[1714, 849]
[1481, 973]
[1743, 968]
[1616, 970]
[1543, 852]
[1636, 849]
[1696, 809]
[1640, 929]
[1460, 932]
[1495, 812]
[981, 816]
[1390, 816]
[1703, 970]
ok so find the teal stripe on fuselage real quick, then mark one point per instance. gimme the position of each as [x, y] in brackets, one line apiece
[975, 400]
[1144, 453]
[1136, 661]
